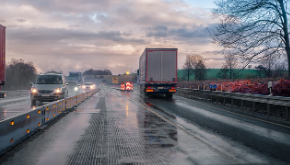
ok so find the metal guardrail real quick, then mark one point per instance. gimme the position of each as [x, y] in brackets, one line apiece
[17, 93]
[16, 129]
[239, 99]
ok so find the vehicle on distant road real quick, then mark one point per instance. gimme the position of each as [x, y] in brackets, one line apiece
[88, 86]
[48, 87]
[73, 88]
[75, 76]
[157, 73]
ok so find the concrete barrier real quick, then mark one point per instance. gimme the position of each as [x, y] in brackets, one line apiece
[232, 98]
[14, 130]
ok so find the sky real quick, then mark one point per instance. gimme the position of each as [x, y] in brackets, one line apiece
[106, 34]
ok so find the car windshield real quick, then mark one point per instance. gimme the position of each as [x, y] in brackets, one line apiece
[49, 79]
[72, 84]
[88, 83]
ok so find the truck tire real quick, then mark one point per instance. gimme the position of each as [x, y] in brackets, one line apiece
[169, 95]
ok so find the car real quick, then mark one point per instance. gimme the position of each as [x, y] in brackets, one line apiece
[88, 86]
[48, 87]
[73, 88]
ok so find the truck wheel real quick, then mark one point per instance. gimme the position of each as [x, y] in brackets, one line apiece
[169, 95]
[33, 102]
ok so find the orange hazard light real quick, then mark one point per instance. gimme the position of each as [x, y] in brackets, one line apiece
[149, 90]
[172, 90]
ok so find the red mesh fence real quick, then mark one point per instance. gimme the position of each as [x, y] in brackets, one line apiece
[279, 88]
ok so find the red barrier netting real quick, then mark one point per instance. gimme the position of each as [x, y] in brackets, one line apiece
[281, 88]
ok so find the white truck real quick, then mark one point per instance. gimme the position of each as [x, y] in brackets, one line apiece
[157, 73]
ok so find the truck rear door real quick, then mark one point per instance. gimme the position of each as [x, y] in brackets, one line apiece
[162, 66]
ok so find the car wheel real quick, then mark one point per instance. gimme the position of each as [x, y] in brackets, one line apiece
[33, 102]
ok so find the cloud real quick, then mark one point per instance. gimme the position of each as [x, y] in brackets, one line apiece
[102, 34]
[39, 34]
[197, 35]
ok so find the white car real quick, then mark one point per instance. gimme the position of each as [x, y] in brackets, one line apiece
[88, 86]
[48, 87]
[73, 88]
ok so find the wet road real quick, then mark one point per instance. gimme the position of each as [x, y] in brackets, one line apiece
[115, 127]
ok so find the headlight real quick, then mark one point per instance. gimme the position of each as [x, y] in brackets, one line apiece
[92, 86]
[84, 87]
[76, 88]
[33, 90]
[58, 90]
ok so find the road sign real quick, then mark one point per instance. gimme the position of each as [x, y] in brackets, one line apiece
[115, 80]
[212, 86]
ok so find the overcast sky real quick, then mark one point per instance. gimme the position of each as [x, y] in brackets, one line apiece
[112, 34]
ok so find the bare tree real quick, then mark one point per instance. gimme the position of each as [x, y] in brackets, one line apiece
[260, 71]
[280, 69]
[269, 62]
[188, 67]
[200, 70]
[253, 29]
[231, 63]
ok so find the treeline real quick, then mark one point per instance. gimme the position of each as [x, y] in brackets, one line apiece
[97, 72]
[269, 67]
[19, 74]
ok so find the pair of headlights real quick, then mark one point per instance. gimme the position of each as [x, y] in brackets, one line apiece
[92, 87]
[57, 90]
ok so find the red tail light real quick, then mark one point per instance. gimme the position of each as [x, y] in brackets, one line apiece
[148, 87]
[172, 87]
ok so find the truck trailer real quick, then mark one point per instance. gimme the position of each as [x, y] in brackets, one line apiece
[75, 76]
[157, 72]
[2, 58]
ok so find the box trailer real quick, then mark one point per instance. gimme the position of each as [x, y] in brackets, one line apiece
[76, 76]
[2, 58]
[157, 72]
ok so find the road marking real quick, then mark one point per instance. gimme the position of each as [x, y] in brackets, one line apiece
[250, 117]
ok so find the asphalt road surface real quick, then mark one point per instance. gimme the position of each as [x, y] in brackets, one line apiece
[114, 127]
